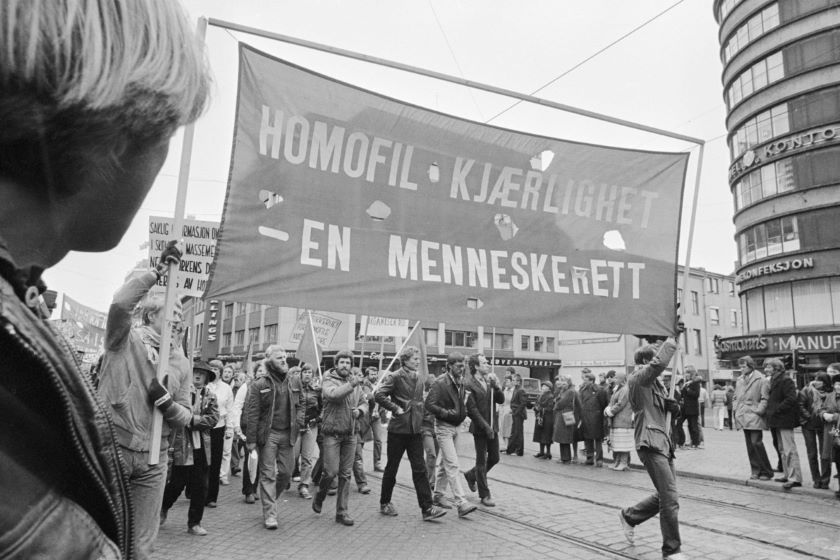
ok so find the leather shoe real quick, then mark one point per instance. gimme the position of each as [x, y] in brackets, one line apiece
[488, 502]
[466, 508]
[791, 484]
[470, 481]
[364, 489]
[211, 504]
[250, 499]
[316, 505]
[780, 479]
[388, 509]
[271, 524]
[344, 519]
[303, 492]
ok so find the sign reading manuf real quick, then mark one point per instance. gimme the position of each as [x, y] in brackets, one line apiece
[345, 200]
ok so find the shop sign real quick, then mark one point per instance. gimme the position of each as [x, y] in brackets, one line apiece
[525, 362]
[780, 343]
[774, 268]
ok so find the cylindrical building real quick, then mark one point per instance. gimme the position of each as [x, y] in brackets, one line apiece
[781, 86]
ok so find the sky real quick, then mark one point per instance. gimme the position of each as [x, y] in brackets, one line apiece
[665, 75]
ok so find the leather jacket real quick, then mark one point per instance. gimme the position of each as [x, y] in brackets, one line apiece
[447, 400]
[64, 487]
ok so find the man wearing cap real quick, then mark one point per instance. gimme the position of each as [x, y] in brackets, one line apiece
[129, 388]
[274, 412]
[191, 451]
[447, 401]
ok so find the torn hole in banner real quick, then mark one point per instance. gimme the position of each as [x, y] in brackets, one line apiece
[542, 160]
[507, 228]
[474, 303]
[269, 198]
[434, 173]
[273, 233]
[613, 240]
[378, 210]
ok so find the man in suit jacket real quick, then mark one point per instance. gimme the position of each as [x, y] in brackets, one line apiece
[447, 401]
[483, 393]
[518, 412]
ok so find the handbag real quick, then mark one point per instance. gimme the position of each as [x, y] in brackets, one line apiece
[568, 417]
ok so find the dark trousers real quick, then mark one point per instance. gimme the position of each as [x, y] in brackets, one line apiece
[398, 445]
[820, 468]
[703, 415]
[516, 443]
[759, 463]
[236, 453]
[217, 444]
[665, 501]
[775, 435]
[486, 457]
[196, 475]
[694, 429]
[594, 447]
[679, 432]
[565, 452]
[729, 417]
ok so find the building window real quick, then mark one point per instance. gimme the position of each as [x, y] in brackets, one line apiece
[550, 345]
[697, 342]
[239, 338]
[226, 340]
[228, 310]
[755, 310]
[714, 316]
[526, 342]
[471, 339]
[733, 317]
[809, 303]
[431, 336]
[695, 302]
[768, 180]
[679, 295]
[503, 341]
[835, 299]
[456, 338]
[778, 306]
[770, 238]
[760, 129]
[254, 336]
[731, 285]
[712, 285]
[197, 335]
[539, 341]
[755, 27]
[270, 334]
[253, 308]
[240, 308]
[726, 7]
[756, 77]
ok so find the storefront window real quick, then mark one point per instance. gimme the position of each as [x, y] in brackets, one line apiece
[526, 342]
[835, 300]
[755, 310]
[431, 337]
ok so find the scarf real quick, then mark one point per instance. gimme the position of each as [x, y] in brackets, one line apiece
[151, 340]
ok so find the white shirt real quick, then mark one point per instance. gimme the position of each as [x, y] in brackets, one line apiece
[235, 414]
[224, 398]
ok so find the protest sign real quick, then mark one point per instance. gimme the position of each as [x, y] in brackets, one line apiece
[83, 325]
[345, 200]
[199, 248]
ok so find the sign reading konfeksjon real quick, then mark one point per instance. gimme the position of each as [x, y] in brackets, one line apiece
[345, 200]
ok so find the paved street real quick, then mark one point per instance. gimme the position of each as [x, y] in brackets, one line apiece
[544, 510]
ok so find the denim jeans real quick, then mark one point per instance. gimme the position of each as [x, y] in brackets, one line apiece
[146, 483]
[308, 455]
[398, 445]
[339, 453]
[448, 473]
[379, 435]
[665, 501]
[359, 462]
[275, 470]
[430, 451]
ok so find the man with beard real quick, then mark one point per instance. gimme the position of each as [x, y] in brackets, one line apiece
[274, 412]
[401, 392]
[447, 401]
[344, 404]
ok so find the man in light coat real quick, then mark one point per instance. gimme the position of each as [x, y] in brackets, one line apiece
[749, 407]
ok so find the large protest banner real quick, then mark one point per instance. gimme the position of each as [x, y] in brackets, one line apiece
[345, 200]
[83, 326]
[199, 248]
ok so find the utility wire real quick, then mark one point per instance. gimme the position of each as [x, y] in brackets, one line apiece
[587, 59]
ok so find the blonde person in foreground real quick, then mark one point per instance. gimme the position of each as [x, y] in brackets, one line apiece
[90, 94]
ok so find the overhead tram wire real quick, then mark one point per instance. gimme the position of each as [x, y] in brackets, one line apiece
[589, 58]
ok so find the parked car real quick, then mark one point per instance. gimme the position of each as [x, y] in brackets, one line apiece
[532, 390]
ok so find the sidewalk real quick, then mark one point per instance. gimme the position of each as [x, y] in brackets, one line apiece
[724, 459]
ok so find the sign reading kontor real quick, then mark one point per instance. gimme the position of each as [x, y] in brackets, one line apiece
[345, 200]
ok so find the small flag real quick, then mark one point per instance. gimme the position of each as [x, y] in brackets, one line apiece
[308, 349]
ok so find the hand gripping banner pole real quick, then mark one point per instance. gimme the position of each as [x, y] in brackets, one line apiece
[172, 274]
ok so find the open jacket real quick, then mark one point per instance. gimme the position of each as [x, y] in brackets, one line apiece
[619, 408]
[258, 412]
[403, 388]
[127, 372]
[565, 400]
[519, 404]
[480, 407]
[344, 405]
[782, 403]
[750, 401]
[647, 398]
[205, 410]
[63, 484]
[447, 401]
[593, 401]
